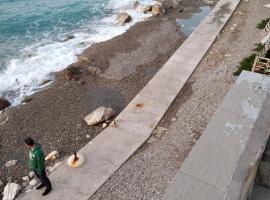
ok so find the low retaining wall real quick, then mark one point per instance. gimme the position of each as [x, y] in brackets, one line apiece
[224, 161]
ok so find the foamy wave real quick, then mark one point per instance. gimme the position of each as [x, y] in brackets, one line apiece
[24, 75]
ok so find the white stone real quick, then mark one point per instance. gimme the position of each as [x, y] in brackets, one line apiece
[11, 163]
[173, 119]
[11, 190]
[31, 174]
[99, 115]
[52, 155]
[104, 125]
[26, 178]
[87, 136]
[123, 18]
[33, 182]
[1, 183]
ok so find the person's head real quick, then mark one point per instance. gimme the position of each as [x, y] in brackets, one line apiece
[29, 142]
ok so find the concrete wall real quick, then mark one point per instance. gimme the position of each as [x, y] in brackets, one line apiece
[224, 161]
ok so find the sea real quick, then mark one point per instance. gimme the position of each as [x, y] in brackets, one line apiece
[40, 37]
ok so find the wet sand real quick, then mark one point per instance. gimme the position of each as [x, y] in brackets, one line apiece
[55, 115]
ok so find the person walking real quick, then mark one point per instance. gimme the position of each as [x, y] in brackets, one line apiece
[36, 163]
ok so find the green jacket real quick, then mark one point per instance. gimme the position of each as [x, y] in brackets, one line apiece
[36, 159]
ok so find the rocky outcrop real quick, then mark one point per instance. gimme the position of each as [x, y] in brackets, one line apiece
[4, 104]
[99, 115]
[72, 73]
[11, 190]
[158, 9]
[123, 18]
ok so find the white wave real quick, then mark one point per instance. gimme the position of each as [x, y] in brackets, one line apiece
[24, 75]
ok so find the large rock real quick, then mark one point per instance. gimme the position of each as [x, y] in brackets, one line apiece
[99, 115]
[11, 190]
[123, 18]
[158, 9]
[4, 104]
[72, 73]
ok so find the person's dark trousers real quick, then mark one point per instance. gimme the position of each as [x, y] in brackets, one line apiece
[44, 179]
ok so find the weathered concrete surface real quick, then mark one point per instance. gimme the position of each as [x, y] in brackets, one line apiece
[110, 149]
[227, 154]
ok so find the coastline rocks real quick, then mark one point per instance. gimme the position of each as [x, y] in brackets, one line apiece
[4, 104]
[70, 37]
[158, 9]
[123, 18]
[94, 70]
[10, 163]
[142, 8]
[11, 190]
[72, 73]
[99, 115]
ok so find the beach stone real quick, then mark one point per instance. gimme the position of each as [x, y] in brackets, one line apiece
[11, 190]
[52, 155]
[72, 73]
[26, 178]
[104, 125]
[99, 115]
[1, 183]
[123, 18]
[33, 182]
[158, 9]
[4, 104]
[94, 70]
[142, 8]
[10, 163]
[31, 174]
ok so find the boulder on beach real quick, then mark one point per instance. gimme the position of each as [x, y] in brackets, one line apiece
[158, 9]
[72, 73]
[4, 104]
[99, 115]
[94, 70]
[11, 190]
[123, 18]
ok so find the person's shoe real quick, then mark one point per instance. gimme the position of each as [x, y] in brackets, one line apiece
[47, 191]
[40, 186]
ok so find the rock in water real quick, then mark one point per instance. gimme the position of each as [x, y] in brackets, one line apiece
[123, 18]
[11, 190]
[10, 163]
[4, 104]
[99, 115]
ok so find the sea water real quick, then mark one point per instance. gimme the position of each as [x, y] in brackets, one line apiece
[33, 37]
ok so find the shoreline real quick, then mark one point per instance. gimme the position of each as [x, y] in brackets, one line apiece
[55, 115]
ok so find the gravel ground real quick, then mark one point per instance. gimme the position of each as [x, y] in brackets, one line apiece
[149, 171]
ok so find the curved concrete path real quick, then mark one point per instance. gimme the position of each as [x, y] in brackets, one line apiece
[111, 148]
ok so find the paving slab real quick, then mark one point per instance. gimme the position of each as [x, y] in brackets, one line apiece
[111, 148]
[228, 153]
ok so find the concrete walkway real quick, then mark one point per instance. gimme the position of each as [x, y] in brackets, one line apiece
[111, 148]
